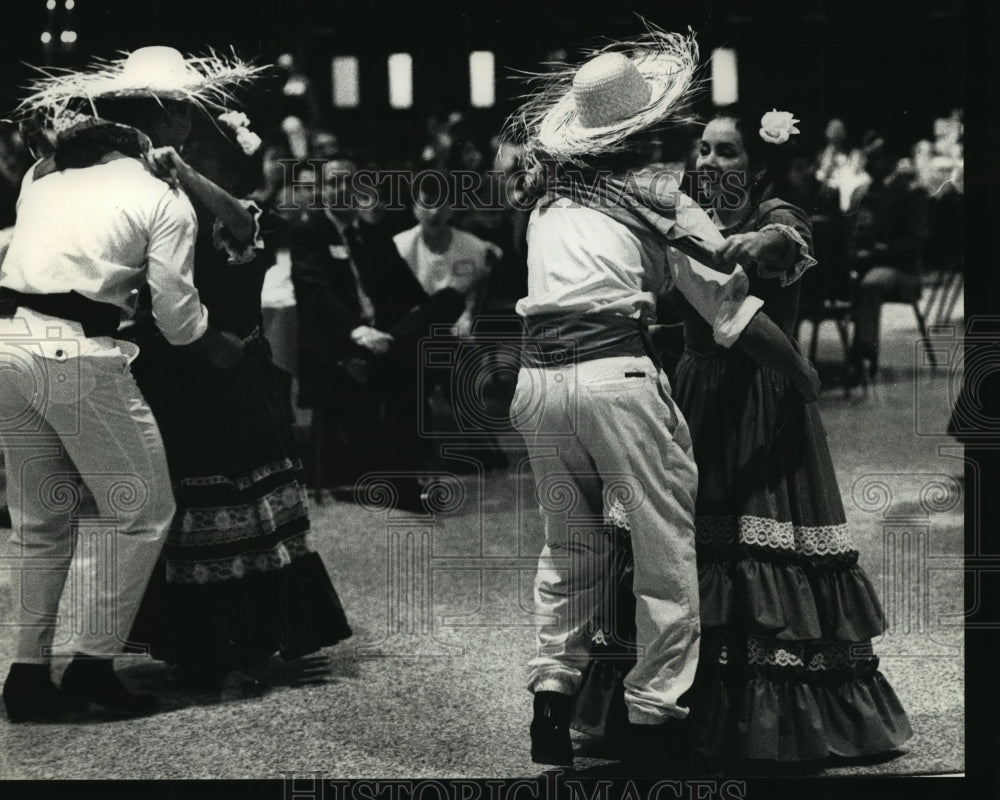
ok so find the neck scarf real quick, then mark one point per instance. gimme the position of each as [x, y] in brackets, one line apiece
[644, 201]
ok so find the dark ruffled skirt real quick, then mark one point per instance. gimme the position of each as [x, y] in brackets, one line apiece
[786, 670]
[239, 579]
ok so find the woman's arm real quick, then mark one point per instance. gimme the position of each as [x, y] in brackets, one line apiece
[780, 247]
[234, 216]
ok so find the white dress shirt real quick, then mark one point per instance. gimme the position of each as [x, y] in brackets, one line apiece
[103, 231]
[463, 266]
[581, 260]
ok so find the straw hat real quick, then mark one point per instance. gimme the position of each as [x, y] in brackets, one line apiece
[623, 89]
[163, 73]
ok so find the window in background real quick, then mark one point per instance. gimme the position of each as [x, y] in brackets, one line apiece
[346, 87]
[401, 80]
[725, 83]
[481, 79]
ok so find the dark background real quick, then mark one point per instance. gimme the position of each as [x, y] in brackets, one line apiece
[894, 65]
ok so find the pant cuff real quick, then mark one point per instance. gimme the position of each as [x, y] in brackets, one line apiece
[559, 685]
[643, 716]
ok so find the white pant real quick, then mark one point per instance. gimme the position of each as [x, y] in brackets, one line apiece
[597, 431]
[63, 423]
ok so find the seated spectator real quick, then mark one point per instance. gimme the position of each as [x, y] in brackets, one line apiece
[886, 246]
[443, 257]
[361, 313]
[834, 156]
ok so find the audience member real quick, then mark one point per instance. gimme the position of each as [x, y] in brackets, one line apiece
[361, 313]
[886, 245]
[443, 257]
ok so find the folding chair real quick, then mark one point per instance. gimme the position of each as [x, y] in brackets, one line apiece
[827, 291]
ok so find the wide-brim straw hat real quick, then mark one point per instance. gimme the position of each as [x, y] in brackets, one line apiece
[65, 97]
[622, 89]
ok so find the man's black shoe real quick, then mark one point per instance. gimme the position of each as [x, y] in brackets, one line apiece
[5, 520]
[655, 749]
[550, 742]
[93, 680]
[29, 695]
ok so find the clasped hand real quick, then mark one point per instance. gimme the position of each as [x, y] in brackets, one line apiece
[372, 339]
[166, 163]
[750, 248]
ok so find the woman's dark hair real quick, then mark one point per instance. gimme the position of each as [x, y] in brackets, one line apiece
[773, 159]
[144, 113]
[89, 142]
[114, 129]
[243, 173]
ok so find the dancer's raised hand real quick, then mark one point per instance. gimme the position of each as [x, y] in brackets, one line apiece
[166, 163]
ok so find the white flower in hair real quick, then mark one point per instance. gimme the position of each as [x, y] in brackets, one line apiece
[248, 140]
[776, 126]
[239, 123]
[235, 120]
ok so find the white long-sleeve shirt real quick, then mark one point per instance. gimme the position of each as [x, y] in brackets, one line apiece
[103, 231]
[581, 260]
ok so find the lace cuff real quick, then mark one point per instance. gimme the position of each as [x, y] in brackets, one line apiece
[223, 240]
[800, 261]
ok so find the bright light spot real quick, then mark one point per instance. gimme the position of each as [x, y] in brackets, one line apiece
[70, 5]
[68, 37]
[346, 84]
[725, 85]
[51, 5]
[401, 80]
[46, 37]
[481, 79]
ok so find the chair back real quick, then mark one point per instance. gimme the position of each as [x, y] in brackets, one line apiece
[830, 280]
[945, 246]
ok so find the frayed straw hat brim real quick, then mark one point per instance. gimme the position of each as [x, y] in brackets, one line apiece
[549, 122]
[206, 81]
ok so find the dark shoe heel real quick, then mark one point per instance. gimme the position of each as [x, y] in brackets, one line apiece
[29, 695]
[550, 740]
[94, 681]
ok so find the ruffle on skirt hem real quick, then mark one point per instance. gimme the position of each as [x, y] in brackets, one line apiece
[219, 627]
[790, 601]
[763, 719]
[790, 721]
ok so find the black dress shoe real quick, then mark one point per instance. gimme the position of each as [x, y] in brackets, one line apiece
[5, 520]
[550, 742]
[93, 680]
[29, 695]
[655, 749]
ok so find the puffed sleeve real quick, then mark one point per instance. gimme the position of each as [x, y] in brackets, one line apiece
[240, 254]
[793, 225]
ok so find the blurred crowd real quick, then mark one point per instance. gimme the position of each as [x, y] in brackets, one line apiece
[887, 219]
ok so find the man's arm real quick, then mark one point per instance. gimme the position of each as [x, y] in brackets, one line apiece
[176, 304]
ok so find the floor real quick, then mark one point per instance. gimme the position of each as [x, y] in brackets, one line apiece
[432, 683]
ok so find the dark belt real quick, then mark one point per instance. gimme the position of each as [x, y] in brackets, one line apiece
[97, 319]
[554, 340]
